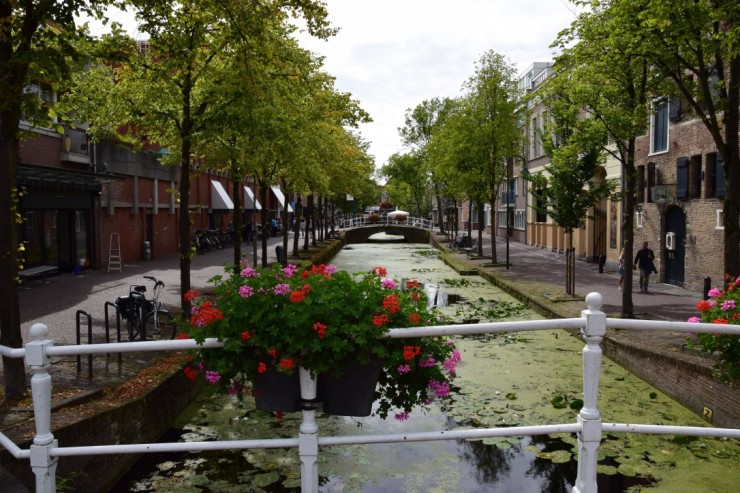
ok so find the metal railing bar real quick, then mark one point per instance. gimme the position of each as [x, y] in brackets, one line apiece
[489, 327]
[10, 352]
[689, 327]
[429, 436]
[152, 448]
[669, 430]
[14, 449]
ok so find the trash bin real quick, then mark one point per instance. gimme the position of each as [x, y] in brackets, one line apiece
[147, 250]
[279, 254]
[602, 261]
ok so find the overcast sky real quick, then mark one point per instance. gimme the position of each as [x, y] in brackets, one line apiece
[394, 54]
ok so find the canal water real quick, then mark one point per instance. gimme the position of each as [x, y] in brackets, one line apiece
[504, 380]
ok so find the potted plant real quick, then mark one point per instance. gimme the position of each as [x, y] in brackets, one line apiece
[374, 218]
[332, 323]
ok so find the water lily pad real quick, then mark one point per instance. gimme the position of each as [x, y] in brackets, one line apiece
[556, 456]
[262, 480]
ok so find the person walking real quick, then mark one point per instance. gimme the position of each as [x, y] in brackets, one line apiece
[644, 260]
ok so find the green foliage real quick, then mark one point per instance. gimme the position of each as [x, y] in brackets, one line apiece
[320, 319]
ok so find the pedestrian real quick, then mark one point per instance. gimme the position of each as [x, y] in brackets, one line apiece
[621, 268]
[644, 260]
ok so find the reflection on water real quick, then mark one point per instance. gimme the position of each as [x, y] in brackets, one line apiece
[503, 381]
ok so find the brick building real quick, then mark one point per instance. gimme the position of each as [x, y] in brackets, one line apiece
[77, 198]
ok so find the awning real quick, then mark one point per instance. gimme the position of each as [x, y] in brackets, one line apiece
[49, 177]
[280, 197]
[219, 198]
[249, 200]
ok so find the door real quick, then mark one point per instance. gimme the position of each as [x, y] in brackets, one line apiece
[674, 259]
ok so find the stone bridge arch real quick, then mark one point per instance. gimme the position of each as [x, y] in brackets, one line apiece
[362, 234]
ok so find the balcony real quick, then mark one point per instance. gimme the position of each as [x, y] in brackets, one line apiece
[75, 146]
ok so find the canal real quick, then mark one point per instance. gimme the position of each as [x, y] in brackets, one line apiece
[504, 380]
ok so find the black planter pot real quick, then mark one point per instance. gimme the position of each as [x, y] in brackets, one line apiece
[277, 392]
[351, 394]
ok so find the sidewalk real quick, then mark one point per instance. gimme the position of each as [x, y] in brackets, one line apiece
[56, 303]
[539, 275]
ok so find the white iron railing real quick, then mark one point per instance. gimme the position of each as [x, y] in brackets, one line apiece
[416, 222]
[589, 428]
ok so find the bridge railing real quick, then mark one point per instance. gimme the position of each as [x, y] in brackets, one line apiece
[589, 428]
[416, 222]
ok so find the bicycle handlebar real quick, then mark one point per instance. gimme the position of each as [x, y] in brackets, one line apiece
[156, 281]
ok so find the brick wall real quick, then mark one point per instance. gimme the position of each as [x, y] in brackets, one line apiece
[704, 246]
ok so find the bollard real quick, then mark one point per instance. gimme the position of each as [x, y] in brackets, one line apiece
[602, 261]
[707, 287]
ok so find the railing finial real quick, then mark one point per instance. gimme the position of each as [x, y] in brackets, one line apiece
[594, 301]
[39, 331]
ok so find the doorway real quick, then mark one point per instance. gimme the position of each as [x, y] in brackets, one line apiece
[675, 249]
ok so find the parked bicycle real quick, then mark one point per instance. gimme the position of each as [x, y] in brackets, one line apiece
[145, 318]
[463, 242]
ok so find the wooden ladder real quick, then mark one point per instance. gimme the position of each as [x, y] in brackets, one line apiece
[114, 253]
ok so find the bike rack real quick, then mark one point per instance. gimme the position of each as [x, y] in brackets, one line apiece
[107, 326]
[89, 341]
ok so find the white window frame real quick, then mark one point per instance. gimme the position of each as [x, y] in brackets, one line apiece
[653, 116]
[720, 219]
[520, 219]
[501, 218]
[640, 219]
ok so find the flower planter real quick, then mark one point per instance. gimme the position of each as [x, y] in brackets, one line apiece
[277, 392]
[353, 393]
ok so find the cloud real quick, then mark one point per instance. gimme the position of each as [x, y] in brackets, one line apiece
[394, 54]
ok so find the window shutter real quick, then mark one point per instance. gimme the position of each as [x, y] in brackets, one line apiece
[719, 184]
[674, 109]
[682, 178]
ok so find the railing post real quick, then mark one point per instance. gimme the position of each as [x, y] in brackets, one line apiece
[44, 466]
[308, 439]
[589, 417]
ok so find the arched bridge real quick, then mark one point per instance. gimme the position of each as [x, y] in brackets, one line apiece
[414, 230]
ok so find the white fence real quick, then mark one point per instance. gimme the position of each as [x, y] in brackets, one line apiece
[45, 451]
[416, 222]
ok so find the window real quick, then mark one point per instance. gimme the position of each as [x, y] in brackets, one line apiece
[682, 178]
[659, 127]
[639, 219]
[501, 218]
[520, 219]
[714, 177]
[720, 219]
[695, 177]
[640, 185]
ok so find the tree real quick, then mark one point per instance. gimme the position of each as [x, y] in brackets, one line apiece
[175, 91]
[408, 182]
[421, 124]
[36, 43]
[567, 187]
[694, 44]
[602, 70]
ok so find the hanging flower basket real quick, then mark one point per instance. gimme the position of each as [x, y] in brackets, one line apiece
[333, 324]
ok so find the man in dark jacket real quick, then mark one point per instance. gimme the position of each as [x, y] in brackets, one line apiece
[644, 260]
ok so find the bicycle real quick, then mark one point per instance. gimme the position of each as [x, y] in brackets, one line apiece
[145, 317]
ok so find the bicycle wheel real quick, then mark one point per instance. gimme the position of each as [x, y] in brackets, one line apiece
[134, 321]
[161, 327]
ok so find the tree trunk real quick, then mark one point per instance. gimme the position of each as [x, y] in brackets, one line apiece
[731, 207]
[237, 219]
[440, 214]
[628, 218]
[494, 255]
[263, 219]
[297, 226]
[309, 222]
[184, 226]
[10, 322]
[481, 220]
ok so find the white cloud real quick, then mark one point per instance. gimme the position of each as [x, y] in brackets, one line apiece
[394, 54]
